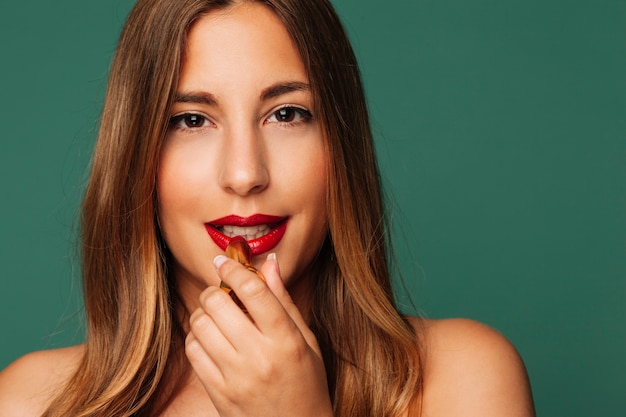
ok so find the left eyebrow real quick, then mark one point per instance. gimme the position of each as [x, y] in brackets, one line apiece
[199, 98]
[283, 88]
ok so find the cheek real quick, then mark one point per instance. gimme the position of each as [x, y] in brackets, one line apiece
[318, 176]
[302, 165]
[182, 181]
[308, 183]
[317, 187]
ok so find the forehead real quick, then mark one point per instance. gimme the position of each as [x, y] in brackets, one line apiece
[243, 43]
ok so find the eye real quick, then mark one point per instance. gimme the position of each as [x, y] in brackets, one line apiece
[189, 121]
[290, 114]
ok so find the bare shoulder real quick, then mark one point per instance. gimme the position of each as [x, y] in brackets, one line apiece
[471, 370]
[29, 384]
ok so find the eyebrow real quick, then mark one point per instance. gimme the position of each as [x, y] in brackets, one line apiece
[198, 98]
[283, 88]
[268, 93]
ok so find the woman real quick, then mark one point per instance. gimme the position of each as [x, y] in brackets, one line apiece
[227, 118]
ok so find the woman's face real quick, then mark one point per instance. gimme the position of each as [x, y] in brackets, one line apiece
[244, 154]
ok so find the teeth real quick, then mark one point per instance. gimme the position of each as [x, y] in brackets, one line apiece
[248, 233]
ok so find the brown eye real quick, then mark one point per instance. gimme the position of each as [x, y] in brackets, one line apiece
[289, 114]
[193, 120]
[189, 121]
[286, 114]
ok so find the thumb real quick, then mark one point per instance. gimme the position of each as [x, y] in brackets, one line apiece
[274, 281]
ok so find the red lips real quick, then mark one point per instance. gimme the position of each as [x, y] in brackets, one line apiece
[265, 243]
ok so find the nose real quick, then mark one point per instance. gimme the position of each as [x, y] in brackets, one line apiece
[243, 168]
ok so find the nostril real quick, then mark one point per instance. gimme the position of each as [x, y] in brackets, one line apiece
[243, 161]
[245, 181]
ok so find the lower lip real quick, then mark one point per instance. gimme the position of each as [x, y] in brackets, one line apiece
[258, 246]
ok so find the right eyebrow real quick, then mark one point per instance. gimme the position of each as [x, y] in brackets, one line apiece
[195, 97]
[279, 89]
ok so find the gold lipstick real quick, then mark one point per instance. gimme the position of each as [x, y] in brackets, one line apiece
[239, 250]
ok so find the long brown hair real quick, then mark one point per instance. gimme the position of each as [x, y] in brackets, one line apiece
[134, 361]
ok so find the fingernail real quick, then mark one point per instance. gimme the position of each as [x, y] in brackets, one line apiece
[272, 257]
[219, 261]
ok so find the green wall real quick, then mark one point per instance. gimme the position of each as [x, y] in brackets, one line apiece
[500, 127]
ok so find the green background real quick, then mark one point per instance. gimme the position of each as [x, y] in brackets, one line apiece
[501, 133]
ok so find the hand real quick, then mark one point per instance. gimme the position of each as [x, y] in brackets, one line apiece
[264, 364]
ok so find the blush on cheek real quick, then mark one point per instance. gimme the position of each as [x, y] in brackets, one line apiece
[184, 176]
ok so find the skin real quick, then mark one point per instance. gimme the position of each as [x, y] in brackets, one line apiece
[470, 370]
[240, 161]
[241, 158]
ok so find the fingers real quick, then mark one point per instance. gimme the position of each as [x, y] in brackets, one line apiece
[220, 320]
[271, 271]
[273, 279]
[199, 358]
[218, 331]
[267, 301]
[254, 356]
[265, 310]
[250, 289]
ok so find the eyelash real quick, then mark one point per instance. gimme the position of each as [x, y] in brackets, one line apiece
[179, 121]
[305, 115]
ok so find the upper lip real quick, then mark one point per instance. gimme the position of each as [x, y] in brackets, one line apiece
[262, 231]
[253, 220]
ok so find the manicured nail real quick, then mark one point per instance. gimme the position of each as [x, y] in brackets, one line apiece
[272, 257]
[219, 261]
